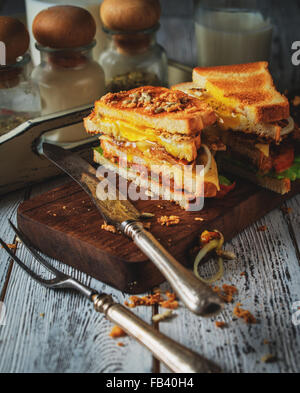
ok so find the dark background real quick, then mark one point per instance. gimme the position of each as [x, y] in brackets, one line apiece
[177, 35]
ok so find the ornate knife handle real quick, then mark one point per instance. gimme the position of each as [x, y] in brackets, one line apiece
[176, 357]
[197, 296]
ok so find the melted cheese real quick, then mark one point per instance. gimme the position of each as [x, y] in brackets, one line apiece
[227, 117]
[264, 148]
[144, 137]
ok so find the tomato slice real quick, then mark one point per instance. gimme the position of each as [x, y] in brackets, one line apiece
[285, 159]
[224, 190]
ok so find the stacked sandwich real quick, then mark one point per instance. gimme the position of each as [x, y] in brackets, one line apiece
[159, 130]
[253, 121]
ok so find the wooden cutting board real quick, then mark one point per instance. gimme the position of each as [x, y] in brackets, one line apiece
[65, 225]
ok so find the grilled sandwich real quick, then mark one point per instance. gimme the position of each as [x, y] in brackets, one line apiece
[155, 127]
[253, 121]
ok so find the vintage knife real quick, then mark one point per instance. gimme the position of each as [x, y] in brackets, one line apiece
[198, 297]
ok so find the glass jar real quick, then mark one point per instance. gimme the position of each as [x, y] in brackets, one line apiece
[232, 32]
[133, 59]
[68, 78]
[19, 96]
[33, 7]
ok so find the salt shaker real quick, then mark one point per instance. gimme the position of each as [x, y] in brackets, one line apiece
[67, 76]
[19, 96]
[132, 58]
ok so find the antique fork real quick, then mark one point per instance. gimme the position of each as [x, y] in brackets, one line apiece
[176, 357]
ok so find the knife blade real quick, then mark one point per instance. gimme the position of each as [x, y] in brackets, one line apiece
[114, 211]
[197, 296]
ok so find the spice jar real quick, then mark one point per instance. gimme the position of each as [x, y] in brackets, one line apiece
[132, 58]
[19, 96]
[68, 77]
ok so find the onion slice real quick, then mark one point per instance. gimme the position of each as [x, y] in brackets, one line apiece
[209, 159]
[289, 128]
[213, 244]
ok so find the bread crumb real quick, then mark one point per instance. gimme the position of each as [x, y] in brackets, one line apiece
[199, 219]
[108, 228]
[162, 317]
[120, 344]
[296, 101]
[263, 228]
[244, 314]
[11, 246]
[243, 274]
[168, 220]
[269, 358]
[220, 324]
[226, 293]
[156, 298]
[147, 215]
[286, 210]
[42, 315]
[117, 332]
[147, 225]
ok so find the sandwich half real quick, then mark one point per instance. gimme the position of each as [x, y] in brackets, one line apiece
[253, 121]
[159, 130]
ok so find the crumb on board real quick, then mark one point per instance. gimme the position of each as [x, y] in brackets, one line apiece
[262, 228]
[163, 316]
[243, 274]
[269, 358]
[226, 293]
[168, 220]
[64, 207]
[147, 215]
[220, 324]
[169, 301]
[296, 101]
[147, 225]
[244, 314]
[11, 246]
[199, 219]
[42, 314]
[108, 228]
[266, 342]
[120, 344]
[117, 332]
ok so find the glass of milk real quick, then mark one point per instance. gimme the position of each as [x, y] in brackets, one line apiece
[33, 7]
[232, 32]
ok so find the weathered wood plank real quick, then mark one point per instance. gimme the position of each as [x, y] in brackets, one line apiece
[8, 208]
[71, 336]
[293, 221]
[268, 290]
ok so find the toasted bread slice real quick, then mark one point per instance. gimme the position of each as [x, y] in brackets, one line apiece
[247, 88]
[157, 108]
[185, 200]
[228, 118]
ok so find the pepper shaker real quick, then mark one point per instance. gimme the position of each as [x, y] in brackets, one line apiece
[133, 58]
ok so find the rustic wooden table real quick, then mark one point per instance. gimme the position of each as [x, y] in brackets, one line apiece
[48, 331]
